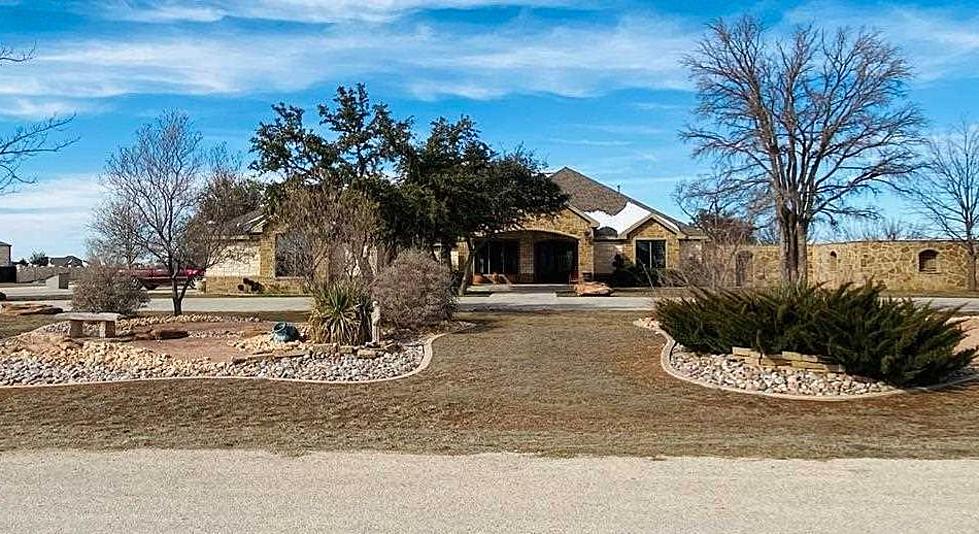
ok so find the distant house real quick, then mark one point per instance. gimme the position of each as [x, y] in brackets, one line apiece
[66, 261]
[4, 254]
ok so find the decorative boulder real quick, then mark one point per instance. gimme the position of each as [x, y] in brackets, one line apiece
[592, 289]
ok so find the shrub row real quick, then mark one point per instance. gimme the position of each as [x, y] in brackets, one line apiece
[888, 339]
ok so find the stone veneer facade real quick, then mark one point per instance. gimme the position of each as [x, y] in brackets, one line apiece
[254, 262]
[897, 264]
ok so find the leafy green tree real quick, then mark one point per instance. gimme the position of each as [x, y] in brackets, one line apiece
[459, 189]
[364, 141]
[38, 258]
[449, 188]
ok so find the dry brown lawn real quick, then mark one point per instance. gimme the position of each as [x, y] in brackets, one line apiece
[555, 384]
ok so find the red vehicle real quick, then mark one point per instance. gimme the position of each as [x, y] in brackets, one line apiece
[155, 277]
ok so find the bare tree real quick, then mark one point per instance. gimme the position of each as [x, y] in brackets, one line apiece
[881, 229]
[946, 190]
[729, 221]
[330, 234]
[158, 186]
[114, 242]
[808, 123]
[28, 140]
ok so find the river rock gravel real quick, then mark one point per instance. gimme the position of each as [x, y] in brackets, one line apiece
[46, 356]
[723, 370]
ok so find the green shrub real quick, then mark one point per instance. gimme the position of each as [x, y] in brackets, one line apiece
[340, 314]
[893, 340]
[102, 288]
[415, 291]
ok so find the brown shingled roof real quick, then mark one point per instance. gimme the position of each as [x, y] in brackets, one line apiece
[588, 194]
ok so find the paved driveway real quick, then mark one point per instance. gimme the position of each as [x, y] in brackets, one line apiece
[235, 491]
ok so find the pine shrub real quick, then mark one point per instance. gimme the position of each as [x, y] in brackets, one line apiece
[103, 288]
[894, 340]
[415, 291]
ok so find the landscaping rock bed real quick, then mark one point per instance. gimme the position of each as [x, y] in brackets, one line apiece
[724, 371]
[732, 372]
[45, 356]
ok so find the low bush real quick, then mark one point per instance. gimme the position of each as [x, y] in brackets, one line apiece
[414, 291]
[888, 339]
[341, 314]
[102, 288]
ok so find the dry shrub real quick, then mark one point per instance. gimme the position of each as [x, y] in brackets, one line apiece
[102, 288]
[415, 291]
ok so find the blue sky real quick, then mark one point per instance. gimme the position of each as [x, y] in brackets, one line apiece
[595, 85]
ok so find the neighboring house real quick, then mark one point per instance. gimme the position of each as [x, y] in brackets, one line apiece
[66, 261]
[579, 242]
[5, 258]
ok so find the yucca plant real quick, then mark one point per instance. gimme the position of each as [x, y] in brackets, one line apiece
[893, 340]
[341, 314]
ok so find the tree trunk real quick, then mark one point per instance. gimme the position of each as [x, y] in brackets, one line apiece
[467, 268]
[445, 253]
[176, 297]
[802, 246]
[794, 249]
[971, 280]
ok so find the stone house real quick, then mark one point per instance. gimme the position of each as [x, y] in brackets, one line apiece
[580, 242]
[5, 259]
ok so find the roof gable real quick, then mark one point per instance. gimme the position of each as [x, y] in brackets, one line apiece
[610, 206]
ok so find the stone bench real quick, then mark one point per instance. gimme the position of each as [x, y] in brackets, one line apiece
[77, 320]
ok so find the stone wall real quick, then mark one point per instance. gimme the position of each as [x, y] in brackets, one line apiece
[894, 263]
[31, 273]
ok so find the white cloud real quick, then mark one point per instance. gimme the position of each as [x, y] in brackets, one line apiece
[939, 43]
[427, 61]
[42, 108]
[307, 11]
[51, 215]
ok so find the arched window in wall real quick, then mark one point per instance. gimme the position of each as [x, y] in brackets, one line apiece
[834, 261]
[928, 261]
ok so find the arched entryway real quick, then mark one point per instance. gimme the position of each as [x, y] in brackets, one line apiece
[555, 260]
[530, 257]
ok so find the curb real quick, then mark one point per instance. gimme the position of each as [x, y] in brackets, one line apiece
[427, 354]
[667, 366]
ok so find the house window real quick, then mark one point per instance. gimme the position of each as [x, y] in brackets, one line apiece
[292, 258]
[834, 261]
[928, 261]
[651, 253]
[498, 256]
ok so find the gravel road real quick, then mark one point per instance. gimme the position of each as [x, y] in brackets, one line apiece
[240, 491]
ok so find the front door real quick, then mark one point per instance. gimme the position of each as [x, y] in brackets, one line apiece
[555, 260]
